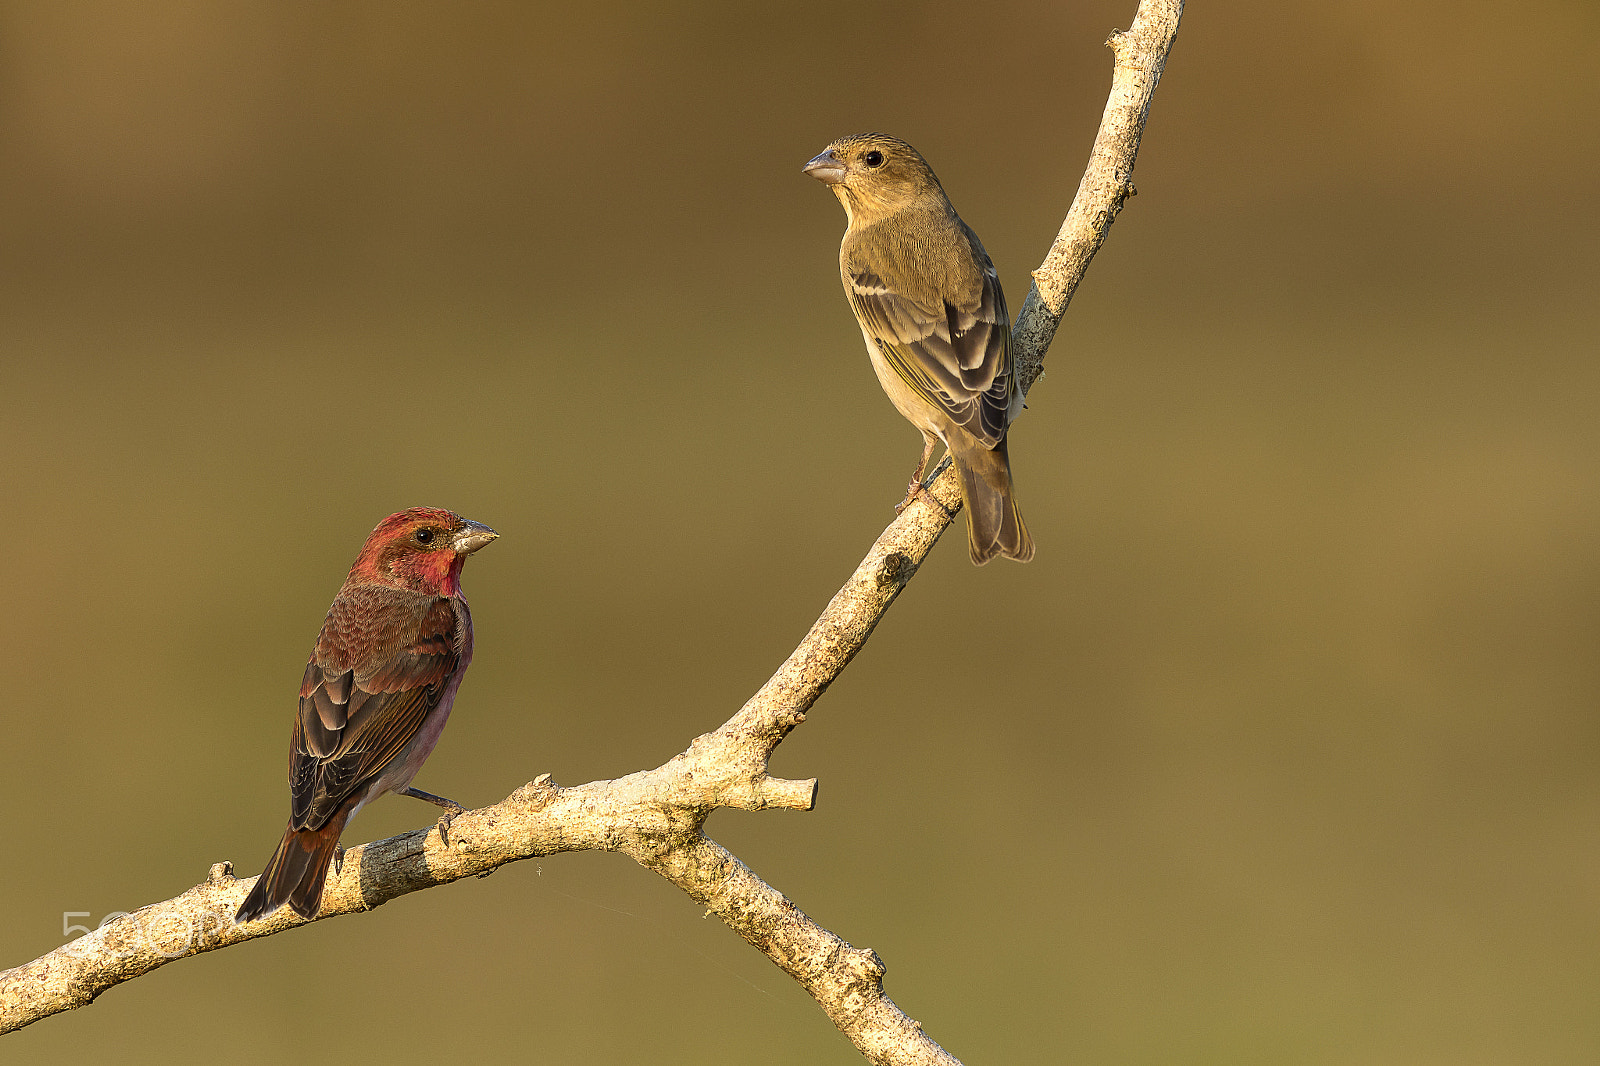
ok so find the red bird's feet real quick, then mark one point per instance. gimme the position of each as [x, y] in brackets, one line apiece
[451, 809]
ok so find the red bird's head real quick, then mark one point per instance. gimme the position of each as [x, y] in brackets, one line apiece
[422, 549]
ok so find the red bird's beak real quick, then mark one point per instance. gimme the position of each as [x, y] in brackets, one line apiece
[826, 168]
[471, 536]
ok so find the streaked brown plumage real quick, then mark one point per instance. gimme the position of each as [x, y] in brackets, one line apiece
[930, 307]
[375, 696]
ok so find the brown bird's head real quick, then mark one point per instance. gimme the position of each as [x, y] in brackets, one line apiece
[422, 549]
[874, 175]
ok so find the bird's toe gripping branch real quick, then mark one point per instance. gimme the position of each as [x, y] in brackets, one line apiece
[451, 810]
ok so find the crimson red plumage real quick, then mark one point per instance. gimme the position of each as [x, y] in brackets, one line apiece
[376, 694]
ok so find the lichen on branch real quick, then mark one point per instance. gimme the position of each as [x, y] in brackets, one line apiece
[657, 816]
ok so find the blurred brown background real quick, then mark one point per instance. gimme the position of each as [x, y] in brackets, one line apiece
[1286, 748]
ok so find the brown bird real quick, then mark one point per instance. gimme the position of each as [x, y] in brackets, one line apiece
[928, 301]
[377, 691]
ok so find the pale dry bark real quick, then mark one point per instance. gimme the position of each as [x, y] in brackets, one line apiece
[656, 816]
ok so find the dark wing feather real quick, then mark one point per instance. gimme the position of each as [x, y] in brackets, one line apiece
[338, 746]
[954, 350]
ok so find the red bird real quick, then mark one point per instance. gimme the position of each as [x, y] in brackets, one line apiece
[376, 695]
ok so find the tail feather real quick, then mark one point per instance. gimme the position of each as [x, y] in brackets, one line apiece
[296, 873]
[994, 525]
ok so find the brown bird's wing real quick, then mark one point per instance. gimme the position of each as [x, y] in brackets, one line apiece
[950, 344]
[382, 663]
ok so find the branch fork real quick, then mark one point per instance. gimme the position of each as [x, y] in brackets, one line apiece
[657, 816]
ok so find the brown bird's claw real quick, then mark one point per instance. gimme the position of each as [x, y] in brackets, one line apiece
[913, 490]
[911, 494]
[338, 859]
[917, 489]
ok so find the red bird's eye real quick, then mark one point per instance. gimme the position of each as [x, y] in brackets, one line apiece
[424, 536]
[873, 158]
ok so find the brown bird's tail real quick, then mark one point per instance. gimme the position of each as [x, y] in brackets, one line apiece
[994, 525]
[296, 872]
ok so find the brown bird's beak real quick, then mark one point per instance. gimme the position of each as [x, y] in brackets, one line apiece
[826, 168]
[471, 536]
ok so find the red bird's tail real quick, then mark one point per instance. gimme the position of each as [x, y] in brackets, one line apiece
[296, 872]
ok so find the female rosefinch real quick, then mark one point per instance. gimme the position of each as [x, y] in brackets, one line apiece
[930, 307]
[376, 694]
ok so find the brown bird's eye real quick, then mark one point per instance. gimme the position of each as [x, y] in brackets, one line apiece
[424, 536]
[873, 158]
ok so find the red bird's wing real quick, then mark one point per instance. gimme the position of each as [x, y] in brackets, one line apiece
[382, 663]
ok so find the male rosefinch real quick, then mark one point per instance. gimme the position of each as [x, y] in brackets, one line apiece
[376, 694]
[930, 307]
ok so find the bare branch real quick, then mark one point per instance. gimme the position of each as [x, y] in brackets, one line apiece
[656, 816]
[1107, 183]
